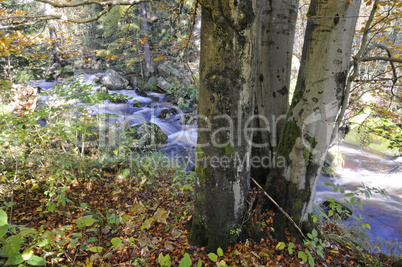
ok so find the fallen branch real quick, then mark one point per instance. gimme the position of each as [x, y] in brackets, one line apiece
[276, 204]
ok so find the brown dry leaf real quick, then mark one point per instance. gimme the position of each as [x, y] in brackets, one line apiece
[144, 252]
[95, 257]
[169, 246]
[138, 208]
[161, 215]
[155, 240]
[176, 233]
[107, 255]
[145, 240]
[106, 229]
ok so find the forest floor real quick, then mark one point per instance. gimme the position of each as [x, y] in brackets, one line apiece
[118, 220]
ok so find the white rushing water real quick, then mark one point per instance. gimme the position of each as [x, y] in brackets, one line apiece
[383, 214]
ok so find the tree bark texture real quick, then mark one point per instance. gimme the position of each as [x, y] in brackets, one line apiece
[147, 62]
[226, 102]
[306, 134]
[274, 56]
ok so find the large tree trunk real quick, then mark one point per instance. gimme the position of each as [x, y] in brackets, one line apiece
[274, 55]
[227, 85]
[147, 67]
[306, 134]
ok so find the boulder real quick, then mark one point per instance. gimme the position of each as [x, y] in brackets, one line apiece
[163, 84]
[114, 81]
[167, 70]
[97, 78]
[146, 135]
[165, 114]
[102, 89]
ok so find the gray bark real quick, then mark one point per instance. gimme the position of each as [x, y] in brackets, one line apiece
[227, 85]
[274, 54]
[147, 63]
[319, 92]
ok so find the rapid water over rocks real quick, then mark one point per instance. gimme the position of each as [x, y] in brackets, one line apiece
[374, 169]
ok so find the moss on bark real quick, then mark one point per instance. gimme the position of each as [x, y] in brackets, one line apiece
[290, 132]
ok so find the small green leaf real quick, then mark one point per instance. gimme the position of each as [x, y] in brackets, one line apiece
[3, 230]
[116, 242]
[96, 249]
[220, 252]
[199, 263]
[14, 259]
[186, 261]
[314, 232]
[280, 246]
[3, 217]
[301, 255]
[290, 248]
[36, 261]
[213, 257]
[359, 203]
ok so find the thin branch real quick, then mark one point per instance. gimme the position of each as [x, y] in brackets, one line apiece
[59, 17]
[109, 5]
[277, 205]
[94, 2]
[390, 59]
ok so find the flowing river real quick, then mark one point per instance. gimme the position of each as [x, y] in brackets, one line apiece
[384, 215]
[374, 169]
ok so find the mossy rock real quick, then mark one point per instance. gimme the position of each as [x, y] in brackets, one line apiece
[146, 135]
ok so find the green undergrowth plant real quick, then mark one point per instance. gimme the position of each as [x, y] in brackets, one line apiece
[330, 227]
[354, 235]
[14, 237]
[186, 95]
[313, 244]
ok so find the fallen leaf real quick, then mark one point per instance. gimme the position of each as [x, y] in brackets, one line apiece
[161, 215]
[145, 240]
[169, 246]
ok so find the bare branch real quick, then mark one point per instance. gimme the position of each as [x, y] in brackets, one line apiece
[390, 59]
[94, 2]
[109, 4]
[55, 17]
